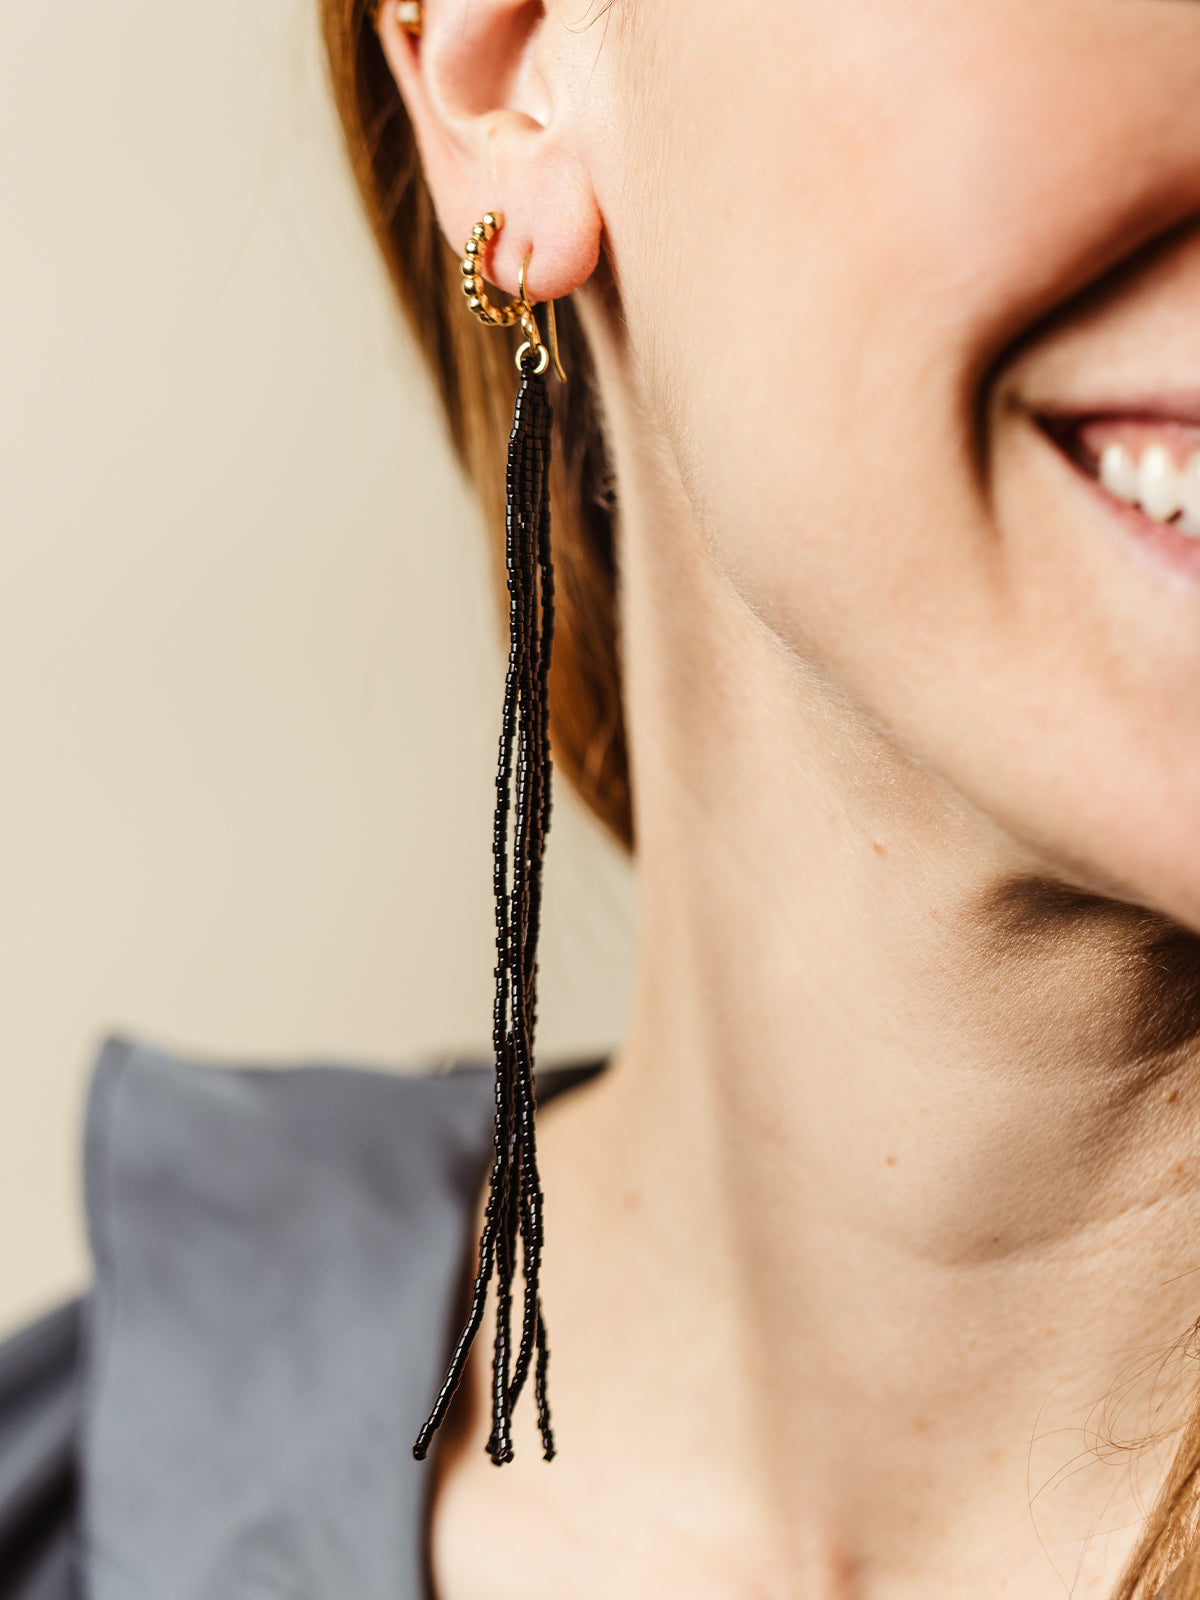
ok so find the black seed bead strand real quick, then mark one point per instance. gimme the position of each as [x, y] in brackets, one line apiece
[510, 894]
[526, 499]
[541, 601]
[531, 810]
[513, 1220]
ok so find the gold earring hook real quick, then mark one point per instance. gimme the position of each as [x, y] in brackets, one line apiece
[519, 309]
[529, 323]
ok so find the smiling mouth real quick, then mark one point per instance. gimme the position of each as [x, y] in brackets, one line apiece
[1146, 466]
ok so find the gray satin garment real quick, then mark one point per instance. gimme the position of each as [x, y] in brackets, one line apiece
[280, 1258]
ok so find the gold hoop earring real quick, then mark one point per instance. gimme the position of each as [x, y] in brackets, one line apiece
[512, 1230]
[518, 310]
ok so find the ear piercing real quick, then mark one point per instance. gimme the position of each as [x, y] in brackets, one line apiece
[408, 14]
[516, 311]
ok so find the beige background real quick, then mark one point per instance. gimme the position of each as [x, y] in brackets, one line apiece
[248, 669]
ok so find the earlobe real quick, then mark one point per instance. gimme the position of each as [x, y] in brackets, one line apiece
[491, 108]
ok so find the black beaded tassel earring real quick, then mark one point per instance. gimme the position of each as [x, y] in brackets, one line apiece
[513, 1220]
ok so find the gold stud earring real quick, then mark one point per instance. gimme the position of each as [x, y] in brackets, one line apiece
[409, 15]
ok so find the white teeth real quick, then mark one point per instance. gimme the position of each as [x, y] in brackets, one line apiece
[1189, 493]
[1155, 483]
[1119, 473]
[1158, 484]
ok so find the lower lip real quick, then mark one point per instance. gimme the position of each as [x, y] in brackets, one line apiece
[1162, 541]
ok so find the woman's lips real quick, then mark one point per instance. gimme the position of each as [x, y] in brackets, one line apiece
[1145, 465]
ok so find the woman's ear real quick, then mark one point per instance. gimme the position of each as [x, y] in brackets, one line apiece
[491, 91]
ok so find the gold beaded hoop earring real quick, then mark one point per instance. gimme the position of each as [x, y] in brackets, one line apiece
[513, 1220]
[518, 310]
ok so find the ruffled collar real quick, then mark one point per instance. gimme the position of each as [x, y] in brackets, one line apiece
[279, 1262]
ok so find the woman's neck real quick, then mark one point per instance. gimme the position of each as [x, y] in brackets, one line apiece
[894, 1183]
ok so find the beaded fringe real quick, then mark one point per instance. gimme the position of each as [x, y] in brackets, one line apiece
[513, 1220]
